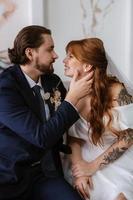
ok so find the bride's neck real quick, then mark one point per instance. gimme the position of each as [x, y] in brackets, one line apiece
[85, 102]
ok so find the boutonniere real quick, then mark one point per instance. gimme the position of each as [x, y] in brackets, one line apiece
[54, 96]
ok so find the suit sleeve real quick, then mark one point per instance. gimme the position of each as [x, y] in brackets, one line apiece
[16, 116]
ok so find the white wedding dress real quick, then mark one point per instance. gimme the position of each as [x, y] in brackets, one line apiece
[116, 177]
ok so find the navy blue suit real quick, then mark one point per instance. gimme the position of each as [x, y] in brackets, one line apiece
[26, 142]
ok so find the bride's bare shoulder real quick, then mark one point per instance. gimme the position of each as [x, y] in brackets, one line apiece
[120, 95]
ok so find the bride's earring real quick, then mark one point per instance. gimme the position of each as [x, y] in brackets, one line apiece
[85, 70]
[88, 68]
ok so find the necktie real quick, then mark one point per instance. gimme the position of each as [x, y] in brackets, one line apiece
[39, 98]
[47, 162]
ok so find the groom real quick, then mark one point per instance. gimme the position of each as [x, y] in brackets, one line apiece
[31, 130]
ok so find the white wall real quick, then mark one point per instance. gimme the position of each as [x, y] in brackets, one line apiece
[71, 19]
[66, 20]
[27, 12]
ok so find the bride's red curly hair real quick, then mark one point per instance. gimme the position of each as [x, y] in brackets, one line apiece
[91, 51]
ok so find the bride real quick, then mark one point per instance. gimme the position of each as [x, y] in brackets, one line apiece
[101, 164]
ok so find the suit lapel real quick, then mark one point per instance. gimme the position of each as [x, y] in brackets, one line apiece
[25, 90]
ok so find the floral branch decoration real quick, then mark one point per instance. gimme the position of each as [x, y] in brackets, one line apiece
[54, 97]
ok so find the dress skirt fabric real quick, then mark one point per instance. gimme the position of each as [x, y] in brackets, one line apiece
[116, 177]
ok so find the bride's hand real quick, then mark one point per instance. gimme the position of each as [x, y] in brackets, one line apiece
[83, 168]
[83, 185]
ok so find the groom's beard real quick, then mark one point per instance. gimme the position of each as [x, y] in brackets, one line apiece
[43, 68]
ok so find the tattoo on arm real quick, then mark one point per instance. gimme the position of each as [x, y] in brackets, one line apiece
[124, 97]
[127, 136]
[112, 156]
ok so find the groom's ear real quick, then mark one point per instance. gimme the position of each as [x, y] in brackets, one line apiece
[29, 53]
[87, 67]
